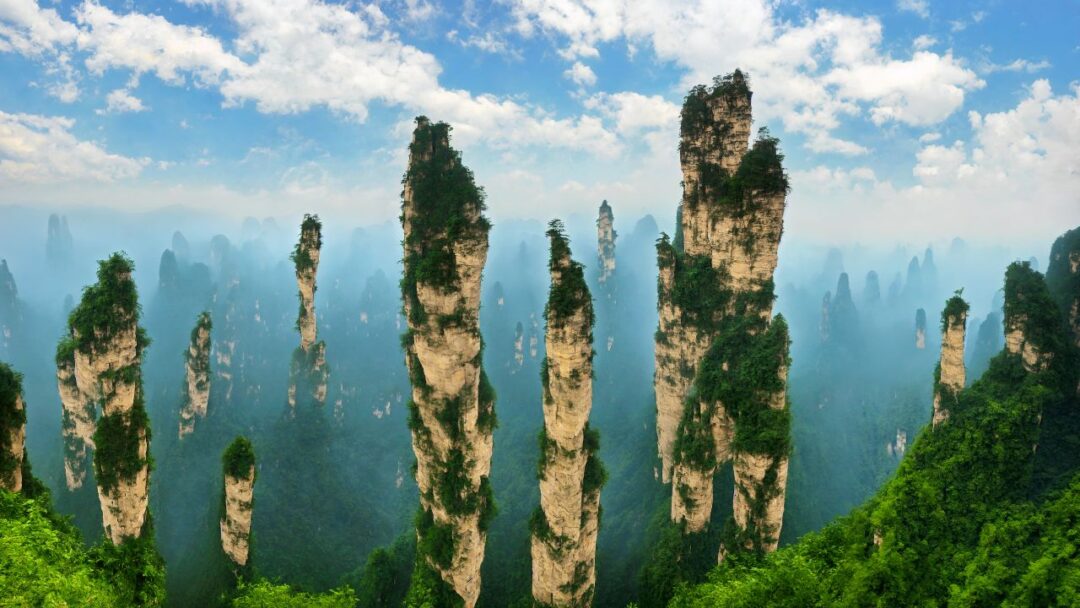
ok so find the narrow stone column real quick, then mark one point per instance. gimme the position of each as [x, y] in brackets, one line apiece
[950, 372]
[12, 429]
[238, 465]
[197, 375]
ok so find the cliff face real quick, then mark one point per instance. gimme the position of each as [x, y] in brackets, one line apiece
[565, 528]
[78, 418]
[950, 372]
[12, 429]
[605, 242]
[1063, 279]
[9, 310]
[309, 373]
[715, 307]
[197, 375]
[1029, 310]
[108, 345]
[452, 411]
[235, 524]
[920, 329]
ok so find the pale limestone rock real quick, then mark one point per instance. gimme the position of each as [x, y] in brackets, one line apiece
[309, 245]
[78, 424]
[1018, 344]
[564, 564]
[235, 523]
[446, 356]
[197, 377]
[951, 379]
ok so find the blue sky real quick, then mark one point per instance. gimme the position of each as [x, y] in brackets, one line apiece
[902, 120]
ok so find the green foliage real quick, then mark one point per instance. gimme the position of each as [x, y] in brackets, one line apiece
[955, 525]
[108, 307]
[264, 594]
[239, 458]
[385, 578]
[117, 440]
[595, 473]
[954, 308]
[435, 541]
[310, 239]
[428, 590]
[486, 420]
[569, 294]
[1063, 283]
[1029, 303]
[12, 418]
[134, 568]
[44, 562]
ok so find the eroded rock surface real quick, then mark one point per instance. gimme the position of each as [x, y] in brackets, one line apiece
[196, 376]
[78, 420]
[951, 367]
[308, 374]
[452, 408]
[236, 524]
[12, 429]
[564, 530]
[605, 242]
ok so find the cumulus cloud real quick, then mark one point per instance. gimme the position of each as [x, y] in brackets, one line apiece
[808, 74]
[919, 7]
[1019, 65]
[581, 74]
[42, 149]
[121, 101]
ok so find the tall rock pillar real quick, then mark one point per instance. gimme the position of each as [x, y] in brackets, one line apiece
[309, 373]
[715, 295]
[238, 464]
[950, 371]
[12, 429]
[78, 417]
[565, 527]
[108, 346]
[605, 242]
[197, 375]
[452, 410]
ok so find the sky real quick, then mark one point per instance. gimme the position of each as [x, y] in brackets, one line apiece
[901, 120]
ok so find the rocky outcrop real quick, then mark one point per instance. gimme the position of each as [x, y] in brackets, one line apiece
[239, 475]
[108, 345]
[950, 372]
[78, 419]
[308, 374]
[519, 348]
[1063, 279]
[1029, 309]
[824, 324]
[197, 375]
[565, 527]
[715, 297]
[9, 308]
[12, 429]
[605, 242]
[59, 247]
[920, 329]
[452, 410]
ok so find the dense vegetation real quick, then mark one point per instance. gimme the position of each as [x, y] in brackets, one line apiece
[965, 521]
[12, 418]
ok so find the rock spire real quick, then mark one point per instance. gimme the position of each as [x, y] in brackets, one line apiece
[715, 297]
[950, 371]
[238, 464]
[197, 375]
[309, 373]
[920, 329]
[12, 429]
[452, 410]
[565, 527]
[605, 242]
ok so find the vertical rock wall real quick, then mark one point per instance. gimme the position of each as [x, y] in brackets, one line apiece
[12, 429]
[78, 418]
[565, 528]
[920, 329]
[452, 413]
[235, 525]
[1028, 309]
[108, 345]
[950, 372]
[197, 375]
[605, 242]
[715, 297]
[308, 374]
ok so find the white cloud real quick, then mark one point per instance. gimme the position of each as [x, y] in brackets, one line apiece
[919, 7]
[923, 42]
[581, 74]
[929, 137]
[42, 149]
[809, 74]
[121, 101]
[489, 42]
[1019, 65]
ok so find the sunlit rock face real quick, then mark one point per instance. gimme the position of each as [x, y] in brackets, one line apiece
[12, 429]
[239, 492]
[563, 541]
[951, 376]
[452, 408]
[196, 376]
[308, 373]
[605, 242]
[107, 344]
[78, 421]
[715, 296]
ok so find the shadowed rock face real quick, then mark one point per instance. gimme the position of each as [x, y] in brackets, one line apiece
[951, 376]
[78, 422]
[108, 345]
[920, 329]
[605, 242]
[197, 376]
[12, 429]
[563, 542]
[452, 411]
[1063, 279]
